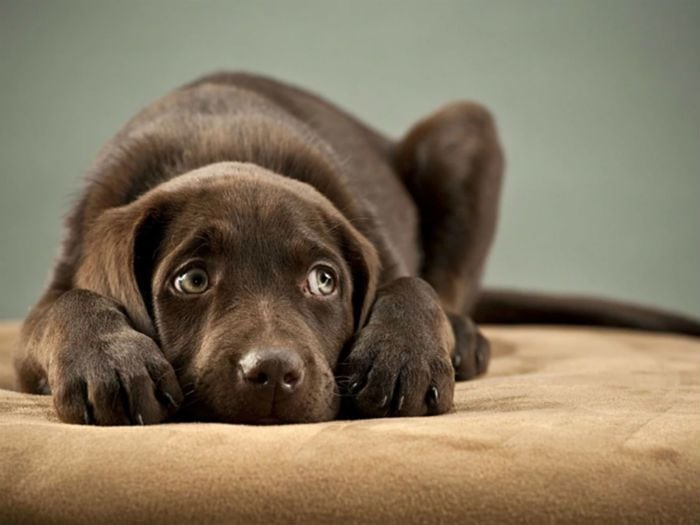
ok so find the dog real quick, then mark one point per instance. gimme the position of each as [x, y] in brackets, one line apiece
[246, 252]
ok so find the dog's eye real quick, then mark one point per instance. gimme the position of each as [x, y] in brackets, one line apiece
[321, 280]
[192, 281]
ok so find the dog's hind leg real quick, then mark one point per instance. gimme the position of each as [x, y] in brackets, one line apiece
[452, 164]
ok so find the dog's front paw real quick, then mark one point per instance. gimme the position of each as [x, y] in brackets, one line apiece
[119, 378]
[472, 351]
[399, 364]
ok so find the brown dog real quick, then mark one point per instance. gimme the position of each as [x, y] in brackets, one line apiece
[246, 252]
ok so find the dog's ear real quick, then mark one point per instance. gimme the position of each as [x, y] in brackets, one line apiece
[361, 256]
[119, 255]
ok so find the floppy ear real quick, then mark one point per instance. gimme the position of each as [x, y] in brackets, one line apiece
[364, 264]
[119, 255]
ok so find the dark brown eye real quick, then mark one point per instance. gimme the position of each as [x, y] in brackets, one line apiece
[321, 281]
[193, 281]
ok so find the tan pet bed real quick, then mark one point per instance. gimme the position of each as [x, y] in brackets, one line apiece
[569, 426]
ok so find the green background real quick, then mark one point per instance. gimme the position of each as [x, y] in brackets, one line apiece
[598, 104]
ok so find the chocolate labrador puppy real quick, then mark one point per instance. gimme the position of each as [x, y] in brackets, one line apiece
[246, 252]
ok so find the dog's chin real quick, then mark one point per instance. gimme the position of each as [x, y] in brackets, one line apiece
[318, 411]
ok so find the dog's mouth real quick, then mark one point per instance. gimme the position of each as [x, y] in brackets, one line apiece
[271, 414]
[276, 387]
[200, 411]
[202, 414]
[254, 410]
[269, 421]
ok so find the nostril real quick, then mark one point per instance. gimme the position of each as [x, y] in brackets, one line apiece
[260, 379]
[291, 378]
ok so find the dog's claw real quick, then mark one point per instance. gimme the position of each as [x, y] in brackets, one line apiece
[400, 404]
[433, 396]
[482, 354]
[171, 400]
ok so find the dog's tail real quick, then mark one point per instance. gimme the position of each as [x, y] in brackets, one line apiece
[513, 307]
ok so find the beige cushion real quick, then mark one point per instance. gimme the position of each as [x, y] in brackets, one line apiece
[569, 426]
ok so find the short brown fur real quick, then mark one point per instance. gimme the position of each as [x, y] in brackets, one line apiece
[264, 193]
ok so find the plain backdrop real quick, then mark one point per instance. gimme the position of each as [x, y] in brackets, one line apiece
[598, 104]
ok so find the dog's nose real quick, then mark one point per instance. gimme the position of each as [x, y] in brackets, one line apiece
[273, 368]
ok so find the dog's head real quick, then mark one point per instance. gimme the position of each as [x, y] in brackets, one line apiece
[250, 282]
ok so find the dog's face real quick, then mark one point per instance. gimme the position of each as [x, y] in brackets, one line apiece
[251, 283]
